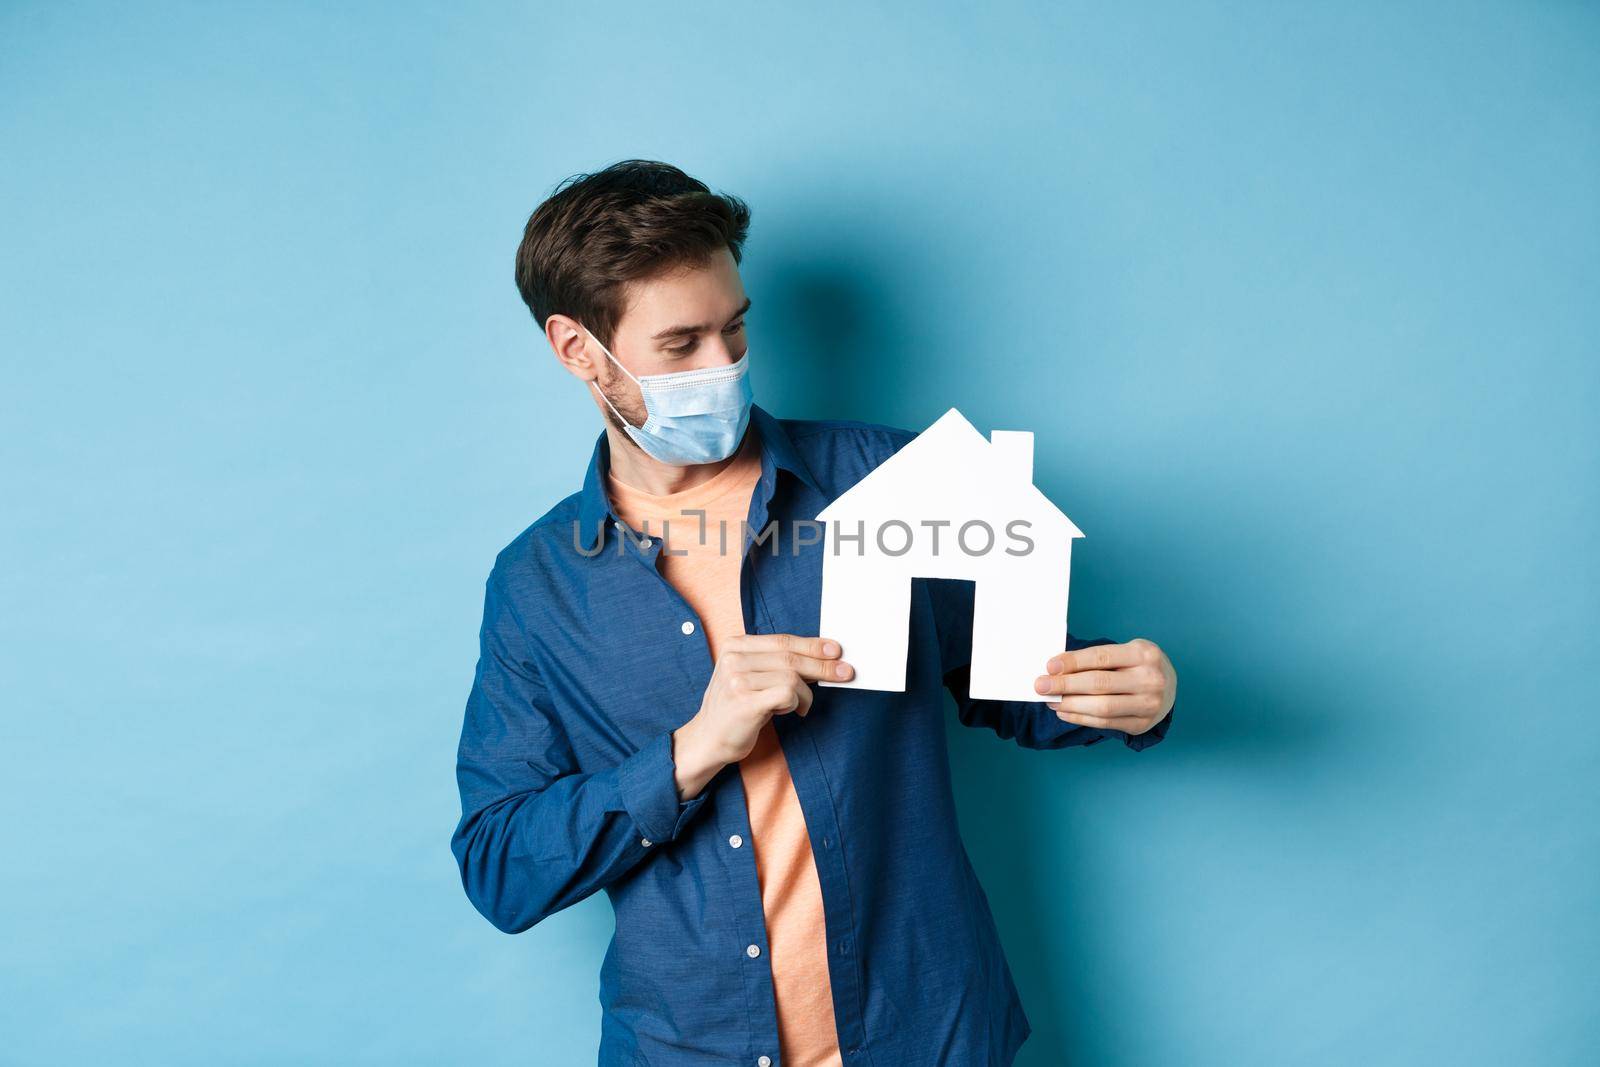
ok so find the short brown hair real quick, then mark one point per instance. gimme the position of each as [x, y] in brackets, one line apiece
[634, 220]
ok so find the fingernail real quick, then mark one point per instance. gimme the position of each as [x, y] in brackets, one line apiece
[830, 648]
[1041, 685]
[1055, 665]
[843, 670]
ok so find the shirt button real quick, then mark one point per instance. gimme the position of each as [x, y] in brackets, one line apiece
[765, 1061]
[753, 951]
[646, 842]
[735, 841]
[687, 628]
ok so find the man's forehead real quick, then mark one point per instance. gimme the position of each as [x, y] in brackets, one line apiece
[704, 296]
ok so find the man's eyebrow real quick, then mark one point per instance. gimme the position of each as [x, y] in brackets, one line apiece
[679, 331]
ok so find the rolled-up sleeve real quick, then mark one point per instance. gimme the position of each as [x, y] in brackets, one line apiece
[536, 834]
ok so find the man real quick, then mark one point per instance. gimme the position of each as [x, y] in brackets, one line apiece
[784, 863]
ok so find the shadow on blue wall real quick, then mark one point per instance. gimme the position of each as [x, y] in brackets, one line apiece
[844, 355]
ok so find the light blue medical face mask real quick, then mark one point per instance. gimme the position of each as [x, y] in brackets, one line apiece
[692, 416]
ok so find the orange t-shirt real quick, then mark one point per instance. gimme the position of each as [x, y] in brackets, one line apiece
[791, 895]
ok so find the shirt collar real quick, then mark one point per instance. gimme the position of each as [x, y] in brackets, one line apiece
[778, 449]
[594, 506]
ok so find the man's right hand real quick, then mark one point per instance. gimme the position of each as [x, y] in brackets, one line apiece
[756, 677]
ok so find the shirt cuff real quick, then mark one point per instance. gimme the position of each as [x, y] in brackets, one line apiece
[1139, 742]
[647, 781]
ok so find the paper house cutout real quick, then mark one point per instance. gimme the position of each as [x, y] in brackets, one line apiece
[922, 513]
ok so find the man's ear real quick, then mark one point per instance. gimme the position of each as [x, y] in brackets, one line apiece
[570, 343]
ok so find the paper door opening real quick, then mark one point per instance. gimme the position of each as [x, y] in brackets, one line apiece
[951, 504]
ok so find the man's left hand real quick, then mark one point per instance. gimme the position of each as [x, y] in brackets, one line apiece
[1128, 687]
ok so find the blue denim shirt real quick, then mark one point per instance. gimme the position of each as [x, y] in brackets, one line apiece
[567, 787]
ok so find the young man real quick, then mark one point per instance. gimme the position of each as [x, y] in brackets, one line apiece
[788, 880]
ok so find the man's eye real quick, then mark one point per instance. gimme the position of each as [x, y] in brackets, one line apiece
[681, 350]
[736, 327]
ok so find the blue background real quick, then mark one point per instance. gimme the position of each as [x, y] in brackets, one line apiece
[1300, 301]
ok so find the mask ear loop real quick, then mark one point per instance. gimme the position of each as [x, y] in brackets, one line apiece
[596, 385]
[612, 406]
[612, 358]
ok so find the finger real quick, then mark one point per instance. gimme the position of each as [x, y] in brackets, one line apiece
[806, 666]
[1096, 721]
[782, 699]
[1109, 705]
[760, 681]
[1086, 682]
[781, 682]
[815, 647]
[1096, 658]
